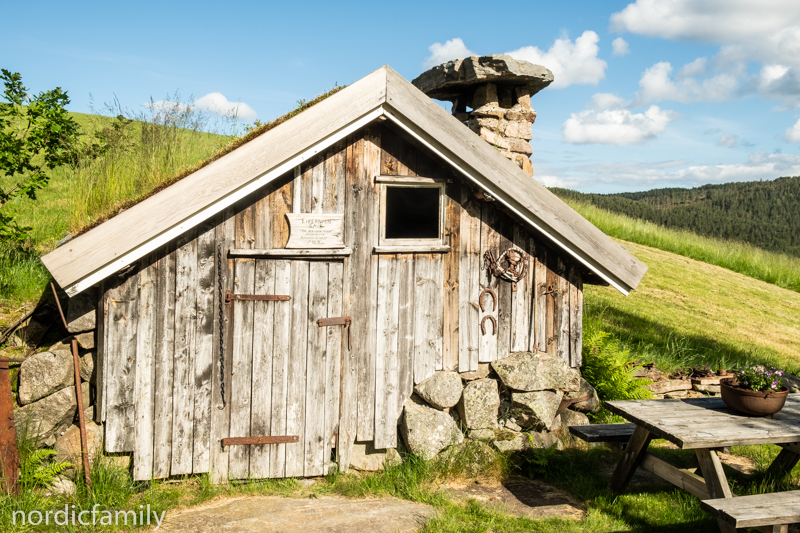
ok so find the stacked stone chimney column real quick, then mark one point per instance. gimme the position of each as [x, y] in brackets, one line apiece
[492, 96]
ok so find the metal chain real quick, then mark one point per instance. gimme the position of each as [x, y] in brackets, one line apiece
[221, 328]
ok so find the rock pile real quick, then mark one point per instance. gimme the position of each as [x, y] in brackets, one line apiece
[492, 96]
[521, 401]
[46, 411]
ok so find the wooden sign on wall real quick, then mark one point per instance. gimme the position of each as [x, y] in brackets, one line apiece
[314, 231]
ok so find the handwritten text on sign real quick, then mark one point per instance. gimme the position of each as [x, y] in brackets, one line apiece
[313, 231]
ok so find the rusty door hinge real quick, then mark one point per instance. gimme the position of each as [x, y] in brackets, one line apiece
[229, 297]
[338, 321]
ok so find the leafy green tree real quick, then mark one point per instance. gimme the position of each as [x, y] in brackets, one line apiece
[36, 135]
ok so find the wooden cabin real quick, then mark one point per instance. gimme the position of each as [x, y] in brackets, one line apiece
[298, 287]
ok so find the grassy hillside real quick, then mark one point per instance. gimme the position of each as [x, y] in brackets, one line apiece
[763, 213]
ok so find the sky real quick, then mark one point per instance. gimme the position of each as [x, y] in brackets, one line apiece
[647, 94]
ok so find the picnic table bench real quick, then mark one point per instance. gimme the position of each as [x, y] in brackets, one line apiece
[704, 425]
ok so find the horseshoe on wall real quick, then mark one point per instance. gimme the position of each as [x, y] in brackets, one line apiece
[494, 299]
[494, 325]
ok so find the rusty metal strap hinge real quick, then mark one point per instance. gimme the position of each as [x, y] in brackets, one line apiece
[244, 441]
[229, 297]
[345, 321]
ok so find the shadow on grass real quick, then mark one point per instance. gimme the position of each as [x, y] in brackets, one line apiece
[667, 347]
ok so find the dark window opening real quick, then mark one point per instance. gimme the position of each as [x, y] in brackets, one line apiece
[412, 212]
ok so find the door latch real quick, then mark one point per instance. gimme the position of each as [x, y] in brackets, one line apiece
[345, 321]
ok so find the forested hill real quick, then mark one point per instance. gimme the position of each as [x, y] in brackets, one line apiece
[763, 213]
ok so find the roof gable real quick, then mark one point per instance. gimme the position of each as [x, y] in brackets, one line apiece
[95, 255]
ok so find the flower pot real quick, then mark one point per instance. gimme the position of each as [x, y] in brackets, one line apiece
[752, 402]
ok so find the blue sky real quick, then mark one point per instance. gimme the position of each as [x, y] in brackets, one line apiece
[648, 94]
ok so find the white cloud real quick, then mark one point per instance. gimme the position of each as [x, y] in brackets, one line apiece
[657, 84]
[767, 31]
[727, 140]
[602, 101]
[217, 103]
[441, 53]
[695, 68]
[619, 47]
[615, 126]
[571, 62]
[793, 133]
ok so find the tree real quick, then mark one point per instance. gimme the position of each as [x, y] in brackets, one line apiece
[36, 135]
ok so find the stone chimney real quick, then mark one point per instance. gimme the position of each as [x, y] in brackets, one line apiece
[492, 96]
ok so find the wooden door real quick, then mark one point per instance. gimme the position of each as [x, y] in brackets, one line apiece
[286, 368]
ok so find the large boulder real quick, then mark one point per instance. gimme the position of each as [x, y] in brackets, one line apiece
[87, 366]
[545, 439]
[528, 372]
[536, 409]
[591, 405]
[86, 340]
[46, 419]
[427, 431]
[442, 390]
[479, 404]
[511, 441]
[791, 382]
[367, 459]
[68, 445]
[43, 374]
[81, 311]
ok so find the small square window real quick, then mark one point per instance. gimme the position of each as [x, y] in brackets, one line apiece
[411, 213]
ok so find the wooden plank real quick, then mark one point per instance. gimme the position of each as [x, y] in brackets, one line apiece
[490, 242]
[562, 324]
[450, 274]
[223, 350]
[681, 478]
[783, 464]
[405, 334]
[603, 432]
[716, 481]
[634, 451]
[354, 268]
[522, 299]
[333, 361]
[207, 318]
[145, 371]
[242, 366]
[121, 325]
[540, 300]
[163, 355]
[364, 321]
[280, 204]
[282, 328]
[218, 180]
[296, 391]
[317, 186]
[415, 249]
[756, 510]
[183, 364]
[333, 198]
[504, 293]
[576, 318]
[552, 304]
[316, 357]
[428, 319]
[284, 253]
[468, 282]
[261, 399]
[259, 441]
[386, 376]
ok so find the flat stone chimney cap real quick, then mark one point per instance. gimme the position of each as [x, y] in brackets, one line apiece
[452, 79]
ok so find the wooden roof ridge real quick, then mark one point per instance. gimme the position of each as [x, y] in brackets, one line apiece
[142, 228]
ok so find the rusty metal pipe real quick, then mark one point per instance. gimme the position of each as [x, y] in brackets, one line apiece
[78, 395]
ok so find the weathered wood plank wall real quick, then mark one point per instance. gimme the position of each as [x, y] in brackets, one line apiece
[179, 376]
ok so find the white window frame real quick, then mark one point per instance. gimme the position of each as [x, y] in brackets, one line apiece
[415, 182]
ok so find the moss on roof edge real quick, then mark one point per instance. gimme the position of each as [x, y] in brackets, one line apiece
[228, 148]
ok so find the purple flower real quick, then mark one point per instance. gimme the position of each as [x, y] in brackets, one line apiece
[745, 383]
[775, 384]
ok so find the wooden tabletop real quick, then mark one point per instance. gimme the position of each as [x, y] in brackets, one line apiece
[708, 423]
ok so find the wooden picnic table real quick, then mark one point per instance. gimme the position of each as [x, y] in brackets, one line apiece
[704, 425]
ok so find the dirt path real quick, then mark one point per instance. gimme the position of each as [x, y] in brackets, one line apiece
[268, 514]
